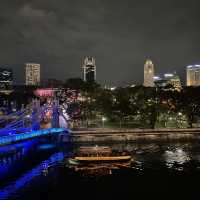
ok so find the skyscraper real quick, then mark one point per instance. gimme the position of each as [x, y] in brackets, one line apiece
[148, 74]
[171, 80]
[89, 69]
[193, 75]
[32, 74]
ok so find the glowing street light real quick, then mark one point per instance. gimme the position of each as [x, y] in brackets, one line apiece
[179, 113]
[103, 121]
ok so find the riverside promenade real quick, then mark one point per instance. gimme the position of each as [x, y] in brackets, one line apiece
[127, 135]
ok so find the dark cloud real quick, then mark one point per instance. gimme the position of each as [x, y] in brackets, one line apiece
[120, 34]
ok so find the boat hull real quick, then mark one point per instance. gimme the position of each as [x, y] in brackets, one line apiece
[102, 159]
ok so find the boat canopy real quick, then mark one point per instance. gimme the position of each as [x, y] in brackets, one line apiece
[95, 149]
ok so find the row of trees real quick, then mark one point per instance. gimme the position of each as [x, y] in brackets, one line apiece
[20, 96]
[149, 107]
[146, 107]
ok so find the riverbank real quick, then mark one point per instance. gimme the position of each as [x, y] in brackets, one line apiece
[128, 135]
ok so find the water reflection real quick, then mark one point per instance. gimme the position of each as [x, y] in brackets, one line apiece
[28, 176]
[100, 169]
[176, 156]
[46, 146]
[149, 169]
[136, 148]
[13, 152]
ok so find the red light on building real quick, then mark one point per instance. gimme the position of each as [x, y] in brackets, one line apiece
[44, 92]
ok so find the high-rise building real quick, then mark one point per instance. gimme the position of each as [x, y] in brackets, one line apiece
[89, 69]
[32, 74]
[6, 78]
[174, 81]
[171, 80]
[193, 75]
[148, 74]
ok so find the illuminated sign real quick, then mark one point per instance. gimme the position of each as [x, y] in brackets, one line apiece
[156, 78]
[168, 75]
[44, 92]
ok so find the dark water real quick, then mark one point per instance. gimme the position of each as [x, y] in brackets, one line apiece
[39, 170]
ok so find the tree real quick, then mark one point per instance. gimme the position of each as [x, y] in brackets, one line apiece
[104, 102]
[190, 103]
[75, 84]
[122, 102]
[79, 84]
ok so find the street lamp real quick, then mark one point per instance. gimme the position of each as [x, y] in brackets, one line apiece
[180, 118]
[103, 121]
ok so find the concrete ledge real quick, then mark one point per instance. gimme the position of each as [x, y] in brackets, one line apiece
[155, 131]
[125, 135]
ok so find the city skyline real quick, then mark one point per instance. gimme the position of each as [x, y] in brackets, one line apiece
[99, 99]
[120, 35]
[183, 80]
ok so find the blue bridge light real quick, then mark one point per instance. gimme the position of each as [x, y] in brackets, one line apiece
[8, 139]
[21, 129]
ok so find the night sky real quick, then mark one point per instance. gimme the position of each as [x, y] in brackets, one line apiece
[119, 34]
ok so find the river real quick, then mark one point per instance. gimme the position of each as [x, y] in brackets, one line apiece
[38, 170]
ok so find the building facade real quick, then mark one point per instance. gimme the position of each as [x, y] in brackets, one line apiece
[175, 82]
[193, 75]
[32, 74]
[148, 74]
[89, 69]
[6, 78]
[168, 82]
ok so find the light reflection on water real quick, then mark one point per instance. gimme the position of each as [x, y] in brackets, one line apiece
[176, 156]
[153, 156]
[27, 177]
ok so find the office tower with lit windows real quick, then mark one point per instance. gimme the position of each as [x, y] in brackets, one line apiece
[148, 74]
[193, 75]
[168, 82]
[89, 69]
[32, 74]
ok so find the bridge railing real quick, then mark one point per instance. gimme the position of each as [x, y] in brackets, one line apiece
[29, 119]
[8, 139]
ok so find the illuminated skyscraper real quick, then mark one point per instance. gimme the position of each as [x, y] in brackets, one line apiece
[32, 74]
[168, 82]
[89, 69]
[193, 75]
[148, 74]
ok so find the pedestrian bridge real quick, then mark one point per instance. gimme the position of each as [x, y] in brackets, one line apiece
[8, 139]
[29, 123]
